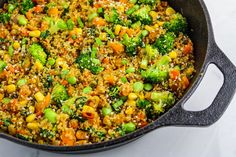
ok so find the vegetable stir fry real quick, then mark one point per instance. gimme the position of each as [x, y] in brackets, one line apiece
[80, 72]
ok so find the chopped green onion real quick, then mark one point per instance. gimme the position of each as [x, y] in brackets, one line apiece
[138, 86]
[128, 127]
[87, 90]
[130, 70]
[80, 22]
[124, 80]
[106, 111]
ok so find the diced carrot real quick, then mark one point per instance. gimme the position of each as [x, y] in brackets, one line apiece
[97, 5]
[174, 74]
[41, 106]
[117, 47]
[29, 15]
[130, 32]
[143, 124]
[105, 60]
[74, 123]
[38, 9]
[188, 48]
[110, 79]
[68, 137]
[53, 11]
[70, 90]
[185, 82]
[88, 115]
[64, 82]
[98, 21]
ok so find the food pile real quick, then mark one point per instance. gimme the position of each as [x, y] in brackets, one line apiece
[80, 72]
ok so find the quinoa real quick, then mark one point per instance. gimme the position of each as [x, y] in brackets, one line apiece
[80, 72]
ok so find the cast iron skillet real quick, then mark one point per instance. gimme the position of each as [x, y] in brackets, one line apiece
[206, 52]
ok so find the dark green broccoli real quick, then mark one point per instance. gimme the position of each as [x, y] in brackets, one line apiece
[150, 2]
[85, 61]
[6, 122]
[5, 17]
[112, 16]
[46, 133]
[44, 34]
[101, 12]
[177, 24]
[26, 5]
[151, 51]
[38, 53]
[165, 98]
[165, 43]
[131, 44]
[142, 15]
[158, 72]
[66, 107]
[80, 102]
[23, 137]
[143, 103]
[59, 93]
[2, 65]
[113, 91]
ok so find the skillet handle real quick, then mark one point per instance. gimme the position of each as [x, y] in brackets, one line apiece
[179, 116]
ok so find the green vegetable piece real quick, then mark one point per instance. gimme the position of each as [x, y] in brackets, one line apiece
[11, 8]
[5, 17]
[87, 90]
[80, 22]
[124, 61]
[37, 52]
[2, 65]
[165, 43]
[150, 2]
[62, 25]
[66, 109]
[144, 33]
[46, 133]
[144, 64]
[133, 1]
[6, 100]
[109, 31]
[177, 24]
[131, 10]
[158, 108]
[70, 24]
[124, 80]
[92, 16]
[136, 25]
[7, 122]
[50, 115]
[113, 91]
[143, 104]
[148, 86]
[106, 111]
[165, 97]
[117, 105]
[138, 87]
[128, 127]
[112, 16]
[21, 82]
[151, 52]
[51, 61]
[45, 34]
[101, 12]
[59, 93]
[22, 20]
[64, 73]
[26, 5]
[72, 80]
[98, 41]
[10, 50]
[130, 70]
[142, 15]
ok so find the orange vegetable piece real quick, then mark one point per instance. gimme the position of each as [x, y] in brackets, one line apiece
[117, 47]
[29, 15]
[88, 115]
[68, 137]
[174, 74]
[185, 82]
[38, 9]
[53, 12]
[41, 106]
[98, 21]
[188, 48]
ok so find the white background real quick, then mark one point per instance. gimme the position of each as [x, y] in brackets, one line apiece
[218, 140]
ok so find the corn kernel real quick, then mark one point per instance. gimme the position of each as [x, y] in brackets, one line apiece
[11, 129]
[31, 109]
[103, 36]
[11, 88]
[39, 97]
[173, 54]
[1, 96]
[131, 102]
[38, 65]
[30, 118]
[16, 45]
[160, 23]
[33, 126]
[148, 28]
[141, 95]
[132, 96]
[35, 33]
[78, 31]
[170, 11]
[153, 14]
[87, 108]
[23, 102]
[117, 29]
[129, 111]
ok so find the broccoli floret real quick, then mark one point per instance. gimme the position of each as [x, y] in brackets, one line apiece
[150, 2]
[143, 103]
[113, 91]
[26, 5]
[66, 107]
[151, 51]
[165, 98]
[2, 65]
[112, 16]
[5, 17]
[46, 133]
[37, 52]
[165, 43]
[80, 102]
[59, 93]
[142, 15]
[85, 61]
[177, 24]
[7, 122]
[131, 44]
[157, 72]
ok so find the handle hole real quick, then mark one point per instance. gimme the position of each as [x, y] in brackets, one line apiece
[206, 91]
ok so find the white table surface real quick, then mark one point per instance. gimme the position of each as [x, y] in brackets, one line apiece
[218, 140]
